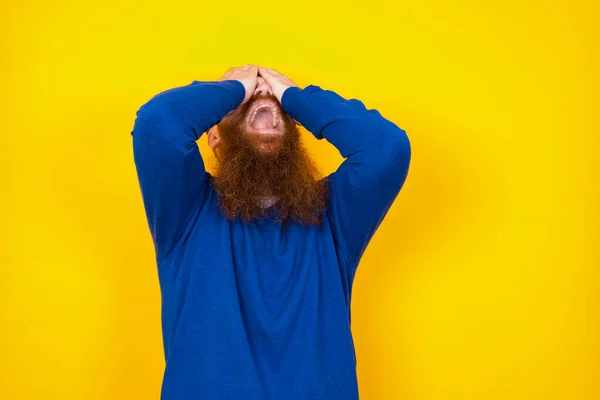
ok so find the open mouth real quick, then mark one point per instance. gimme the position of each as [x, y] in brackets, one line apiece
[264, 117]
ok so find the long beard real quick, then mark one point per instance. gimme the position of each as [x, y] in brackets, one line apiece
[246, 173]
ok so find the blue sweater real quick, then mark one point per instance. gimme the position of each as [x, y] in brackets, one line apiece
[258, 311]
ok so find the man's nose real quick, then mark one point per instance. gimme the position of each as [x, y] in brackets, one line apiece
[262, 87]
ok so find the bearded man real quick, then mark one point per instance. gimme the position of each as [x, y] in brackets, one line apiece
[256, 263]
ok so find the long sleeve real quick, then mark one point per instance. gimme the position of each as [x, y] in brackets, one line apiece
[171, 174]
[377, 156]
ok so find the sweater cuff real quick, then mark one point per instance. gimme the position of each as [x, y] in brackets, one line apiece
[236, 88]
[293, 102]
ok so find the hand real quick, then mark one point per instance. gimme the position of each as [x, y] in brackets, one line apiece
[247, 75]
[279, 83]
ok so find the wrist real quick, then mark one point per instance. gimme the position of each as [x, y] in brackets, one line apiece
[280, 95]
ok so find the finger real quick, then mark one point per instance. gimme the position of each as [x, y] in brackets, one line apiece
[254, 76]
[263, 70]
[272, 72]
[263, 74]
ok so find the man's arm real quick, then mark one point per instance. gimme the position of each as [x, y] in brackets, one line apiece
[377, 156]
[171, 173]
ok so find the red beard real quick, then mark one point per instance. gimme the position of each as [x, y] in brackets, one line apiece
[251, 166]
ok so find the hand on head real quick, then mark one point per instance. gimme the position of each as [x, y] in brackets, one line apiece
[247, 75]
[278, 82]
[259, 78]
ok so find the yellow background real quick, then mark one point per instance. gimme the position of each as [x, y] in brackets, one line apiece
[483, 281]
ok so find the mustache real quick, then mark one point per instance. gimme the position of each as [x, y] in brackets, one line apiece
[260, 97]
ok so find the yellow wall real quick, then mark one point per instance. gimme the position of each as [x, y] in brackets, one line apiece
[483, 281]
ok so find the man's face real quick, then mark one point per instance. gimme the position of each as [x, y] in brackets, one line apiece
[260, 153]
[261, 120]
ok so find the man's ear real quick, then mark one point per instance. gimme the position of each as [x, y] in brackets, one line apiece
[213, 137]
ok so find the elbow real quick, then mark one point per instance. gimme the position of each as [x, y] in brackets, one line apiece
[150, 118]
[152, 110]
[397, 150]
[400, 146]
[394, 158]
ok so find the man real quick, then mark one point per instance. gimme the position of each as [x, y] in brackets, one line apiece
[256, 263]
